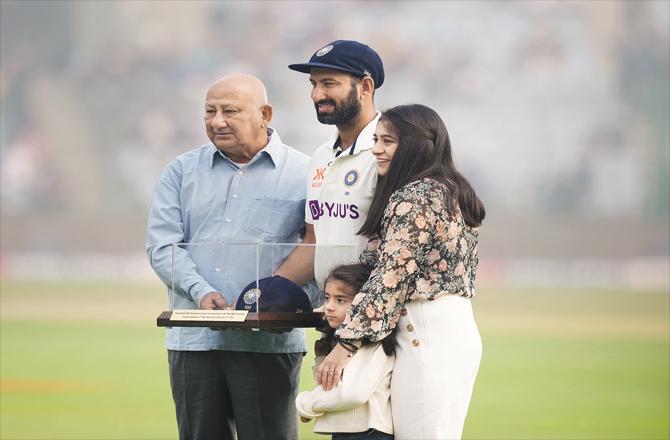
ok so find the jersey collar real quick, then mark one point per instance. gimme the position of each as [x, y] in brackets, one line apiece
[363, 141]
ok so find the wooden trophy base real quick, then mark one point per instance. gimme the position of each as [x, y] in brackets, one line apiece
[263, 320]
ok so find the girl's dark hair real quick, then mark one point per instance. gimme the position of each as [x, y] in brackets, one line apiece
[354, 276]
[424, 150]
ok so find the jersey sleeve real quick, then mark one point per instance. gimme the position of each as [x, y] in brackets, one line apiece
[311, 202]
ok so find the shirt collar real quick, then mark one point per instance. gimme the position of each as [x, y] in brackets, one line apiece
[273, 150]
[363, 141]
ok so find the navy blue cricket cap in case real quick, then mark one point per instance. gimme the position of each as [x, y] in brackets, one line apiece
[275, 294]
[348, 56]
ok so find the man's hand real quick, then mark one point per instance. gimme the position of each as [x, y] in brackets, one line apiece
[214, 301]
[299, 265]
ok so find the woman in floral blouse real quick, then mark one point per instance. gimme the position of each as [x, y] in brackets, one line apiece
[423, 230]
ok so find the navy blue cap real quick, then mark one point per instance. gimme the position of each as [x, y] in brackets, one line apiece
[348, 56]
[275, 294]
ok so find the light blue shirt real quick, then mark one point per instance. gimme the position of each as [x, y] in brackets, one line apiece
[228, 213]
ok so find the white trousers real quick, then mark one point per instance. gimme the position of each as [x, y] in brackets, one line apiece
[437, 357]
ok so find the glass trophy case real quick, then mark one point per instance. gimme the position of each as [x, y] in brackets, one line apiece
[241, 272]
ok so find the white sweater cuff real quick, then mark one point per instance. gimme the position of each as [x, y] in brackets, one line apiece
[304, 406]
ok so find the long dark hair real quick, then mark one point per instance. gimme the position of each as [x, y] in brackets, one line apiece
[353, 276]
[424, 150]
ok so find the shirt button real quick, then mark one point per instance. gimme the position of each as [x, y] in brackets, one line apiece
[234, 196]
[410, 328]
[403, 312]
[415, 342]
[240, 173]
[228, 220]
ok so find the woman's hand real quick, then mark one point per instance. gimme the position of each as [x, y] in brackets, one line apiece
[330, 371]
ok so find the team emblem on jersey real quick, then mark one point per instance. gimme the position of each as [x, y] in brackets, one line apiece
[324, 50]
[252, 296]
[351, 178]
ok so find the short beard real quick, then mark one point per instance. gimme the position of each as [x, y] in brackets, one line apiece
[346, 115]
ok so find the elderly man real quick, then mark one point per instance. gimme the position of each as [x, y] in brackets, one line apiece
[245, 186]
[342, 176]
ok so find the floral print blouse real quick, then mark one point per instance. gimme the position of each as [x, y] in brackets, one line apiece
[422, 253]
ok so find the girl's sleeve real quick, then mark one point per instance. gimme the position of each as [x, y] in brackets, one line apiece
[365, 373]
[410, 221]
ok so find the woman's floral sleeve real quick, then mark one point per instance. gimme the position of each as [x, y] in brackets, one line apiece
[409, 222]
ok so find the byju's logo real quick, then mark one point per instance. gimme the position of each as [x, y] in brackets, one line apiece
[315, 209]
[333, 210]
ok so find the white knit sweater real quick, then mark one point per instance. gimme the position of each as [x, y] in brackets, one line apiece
[362, 399]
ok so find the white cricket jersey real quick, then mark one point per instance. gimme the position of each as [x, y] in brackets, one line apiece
[339, 193]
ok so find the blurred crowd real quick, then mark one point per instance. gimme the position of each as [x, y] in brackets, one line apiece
[555, 109]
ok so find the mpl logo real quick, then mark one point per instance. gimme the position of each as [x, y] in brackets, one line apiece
[333, 210]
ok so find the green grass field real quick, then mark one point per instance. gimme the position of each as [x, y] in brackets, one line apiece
[86, 361]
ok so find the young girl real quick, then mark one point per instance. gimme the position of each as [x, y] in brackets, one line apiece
[360, 407]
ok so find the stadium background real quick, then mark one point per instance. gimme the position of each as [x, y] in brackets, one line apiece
[558, 113]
